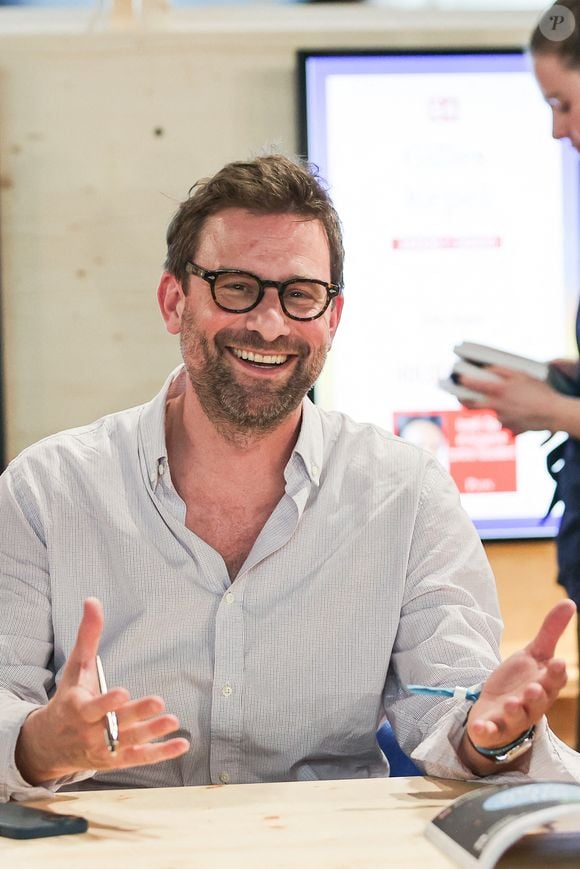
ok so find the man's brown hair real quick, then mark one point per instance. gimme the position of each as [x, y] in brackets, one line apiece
[273, 184]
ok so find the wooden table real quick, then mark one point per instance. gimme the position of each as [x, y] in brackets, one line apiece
[338, 824]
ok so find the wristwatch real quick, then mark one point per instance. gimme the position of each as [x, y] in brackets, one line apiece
[509, 752]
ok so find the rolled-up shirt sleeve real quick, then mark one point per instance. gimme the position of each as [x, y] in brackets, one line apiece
[548, 759]
[448, 636]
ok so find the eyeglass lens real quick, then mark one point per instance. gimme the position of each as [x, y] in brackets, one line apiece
[301, 299]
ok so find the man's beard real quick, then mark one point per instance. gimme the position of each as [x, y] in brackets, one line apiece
[251, 408]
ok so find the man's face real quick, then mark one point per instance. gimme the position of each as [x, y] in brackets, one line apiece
[254, 394]
[561, 89]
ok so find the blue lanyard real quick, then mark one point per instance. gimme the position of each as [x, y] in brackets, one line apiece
[463, 693]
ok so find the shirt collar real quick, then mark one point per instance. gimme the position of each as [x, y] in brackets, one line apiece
[309, 446]
[152, 444]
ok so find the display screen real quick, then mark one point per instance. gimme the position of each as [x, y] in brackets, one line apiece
[460, 218]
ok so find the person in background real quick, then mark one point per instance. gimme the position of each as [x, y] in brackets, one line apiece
[524, 403]
[280, 574]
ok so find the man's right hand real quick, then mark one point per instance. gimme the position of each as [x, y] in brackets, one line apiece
[67, 735]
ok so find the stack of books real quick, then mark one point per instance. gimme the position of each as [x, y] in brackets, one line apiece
[475, 359]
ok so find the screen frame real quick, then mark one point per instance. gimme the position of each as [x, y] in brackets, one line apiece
[549, 524]
[303, 55]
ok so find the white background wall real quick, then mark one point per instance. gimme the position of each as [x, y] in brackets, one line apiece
[104, 127]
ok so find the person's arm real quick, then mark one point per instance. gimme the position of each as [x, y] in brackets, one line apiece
[565, 415]
[25, 622]
[448, 637]
[449, 628]
[46, 743]
[523, 403]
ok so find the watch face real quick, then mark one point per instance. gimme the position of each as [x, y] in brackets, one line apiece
[514, 752]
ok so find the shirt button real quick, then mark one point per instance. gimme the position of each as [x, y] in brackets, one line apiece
[227, 690]
[315, 470]
[230, 597]
[224, 778]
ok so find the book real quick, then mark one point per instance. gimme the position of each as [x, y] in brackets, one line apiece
[475, 358]
[478, 827]
[482, 354]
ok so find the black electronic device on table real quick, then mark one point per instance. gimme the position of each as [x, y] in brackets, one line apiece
[18, 821]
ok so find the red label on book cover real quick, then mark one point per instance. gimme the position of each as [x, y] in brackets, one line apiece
[477, 451]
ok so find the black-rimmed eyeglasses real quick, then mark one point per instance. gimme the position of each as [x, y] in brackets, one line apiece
[238, 292]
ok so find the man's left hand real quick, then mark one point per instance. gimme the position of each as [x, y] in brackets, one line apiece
[519, 692]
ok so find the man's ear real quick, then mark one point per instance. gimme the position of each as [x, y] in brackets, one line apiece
[171, 301]
[335, 316]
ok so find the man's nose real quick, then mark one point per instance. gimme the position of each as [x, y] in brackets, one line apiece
[559, 126]
[268, 318]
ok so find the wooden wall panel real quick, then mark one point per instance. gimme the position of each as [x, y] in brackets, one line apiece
[103, 128]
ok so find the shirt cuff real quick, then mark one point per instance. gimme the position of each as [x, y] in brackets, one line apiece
[549, 758]
[12, 784]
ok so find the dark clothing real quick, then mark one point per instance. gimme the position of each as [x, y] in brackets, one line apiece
[568, 491]
[568, 540]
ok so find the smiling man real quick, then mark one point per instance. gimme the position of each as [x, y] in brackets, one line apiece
[250, 378]
[277, 575]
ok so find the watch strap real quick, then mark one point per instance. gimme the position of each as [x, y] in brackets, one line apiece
[506, 753]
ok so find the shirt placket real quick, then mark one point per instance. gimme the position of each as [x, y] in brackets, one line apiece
[226, 729]
[226, 707]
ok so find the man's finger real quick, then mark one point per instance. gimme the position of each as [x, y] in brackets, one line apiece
[84, 651]
[142, 755]
[147, 731]
[139, 710]
[94, 710]
[544, 643]
[489, 390]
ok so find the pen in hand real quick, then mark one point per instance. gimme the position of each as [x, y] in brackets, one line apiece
[112, 726]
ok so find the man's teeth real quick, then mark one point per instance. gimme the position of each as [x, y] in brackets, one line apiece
[257, 357]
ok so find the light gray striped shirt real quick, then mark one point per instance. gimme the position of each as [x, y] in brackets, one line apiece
[367, 576]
